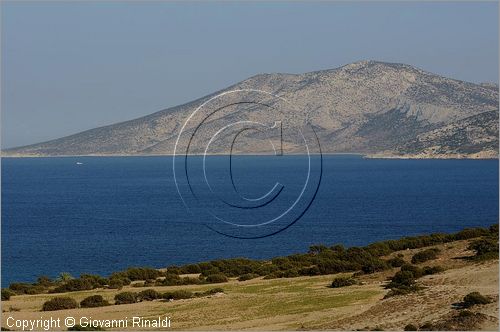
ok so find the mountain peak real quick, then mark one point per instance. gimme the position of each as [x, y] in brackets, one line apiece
[365, 107]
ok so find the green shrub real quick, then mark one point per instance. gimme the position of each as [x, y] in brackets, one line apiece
[93, 301]
[343, 281]
[74, 285]
[25, 288]
[44, 281]
[59, 303]
[374, 265]
[6, 294]
[118, 283]
[177, 295]
[415, 270]
[425, 255]
[475, 298]
[432, 270]
[216, 278]
[214, 291]
[248, 276]
[485, 248]
[148, 295]
[125, 298]
[396, 262]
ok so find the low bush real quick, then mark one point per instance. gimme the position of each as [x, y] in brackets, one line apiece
[6, 294]
[177, 295]
[248, 276]
[432, 270]
[425, 255]
[125, 298]
[216, 278]
[396, 262]
[475, 298]
[485, 248]
[209, 292]
[25, 288]
[59, 303]
[74, 285]
[138, 273]
[93, 302]
[343, 282]
[148, 295]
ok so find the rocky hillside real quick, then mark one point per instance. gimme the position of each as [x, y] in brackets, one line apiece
[374, 108]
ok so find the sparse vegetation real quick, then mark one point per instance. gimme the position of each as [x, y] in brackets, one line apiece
[248, 276]
[6, 294]
[216, 278]
[474, 298]
[93, 302]
[343, 282]
[148, 295]
[125, 298]
[320, 260]
[59, 303]
[396, 262]
[425, 255]
[404, 281]
[177, 295]
[485, 249]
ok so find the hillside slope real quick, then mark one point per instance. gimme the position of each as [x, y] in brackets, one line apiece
[367, 107]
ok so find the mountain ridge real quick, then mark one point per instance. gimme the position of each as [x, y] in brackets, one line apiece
[369, 107]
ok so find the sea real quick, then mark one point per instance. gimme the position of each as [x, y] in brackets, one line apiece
[104, 214]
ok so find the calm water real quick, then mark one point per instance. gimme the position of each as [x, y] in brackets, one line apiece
[110, 213]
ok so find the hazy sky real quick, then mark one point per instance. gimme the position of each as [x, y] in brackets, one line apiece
[68, 67]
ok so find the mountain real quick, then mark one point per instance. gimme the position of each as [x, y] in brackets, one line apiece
[374, 108]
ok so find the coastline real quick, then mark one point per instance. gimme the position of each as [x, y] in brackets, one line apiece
[486, 155]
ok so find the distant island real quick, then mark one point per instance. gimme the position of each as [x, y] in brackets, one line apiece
[381, 110]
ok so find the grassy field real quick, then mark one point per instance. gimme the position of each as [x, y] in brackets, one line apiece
[300, 303]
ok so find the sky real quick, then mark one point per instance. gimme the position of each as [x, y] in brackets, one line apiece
[73, 66]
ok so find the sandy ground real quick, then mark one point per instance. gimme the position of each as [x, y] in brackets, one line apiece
[305, 303]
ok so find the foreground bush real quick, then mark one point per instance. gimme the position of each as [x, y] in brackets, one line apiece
[177, 295]
[93, 302]
[216, 278]
[25, 288]
[248, 276]
[125, 298]
[148, 295]
[343, 282]
[425, 255]
[59, 303]
[396, 262]
[475, 298]
[485, 248]
[6, 294]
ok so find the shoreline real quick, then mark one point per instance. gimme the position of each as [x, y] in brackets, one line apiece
[477, 156]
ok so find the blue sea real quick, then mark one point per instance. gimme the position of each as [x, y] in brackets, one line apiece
[104, 214]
